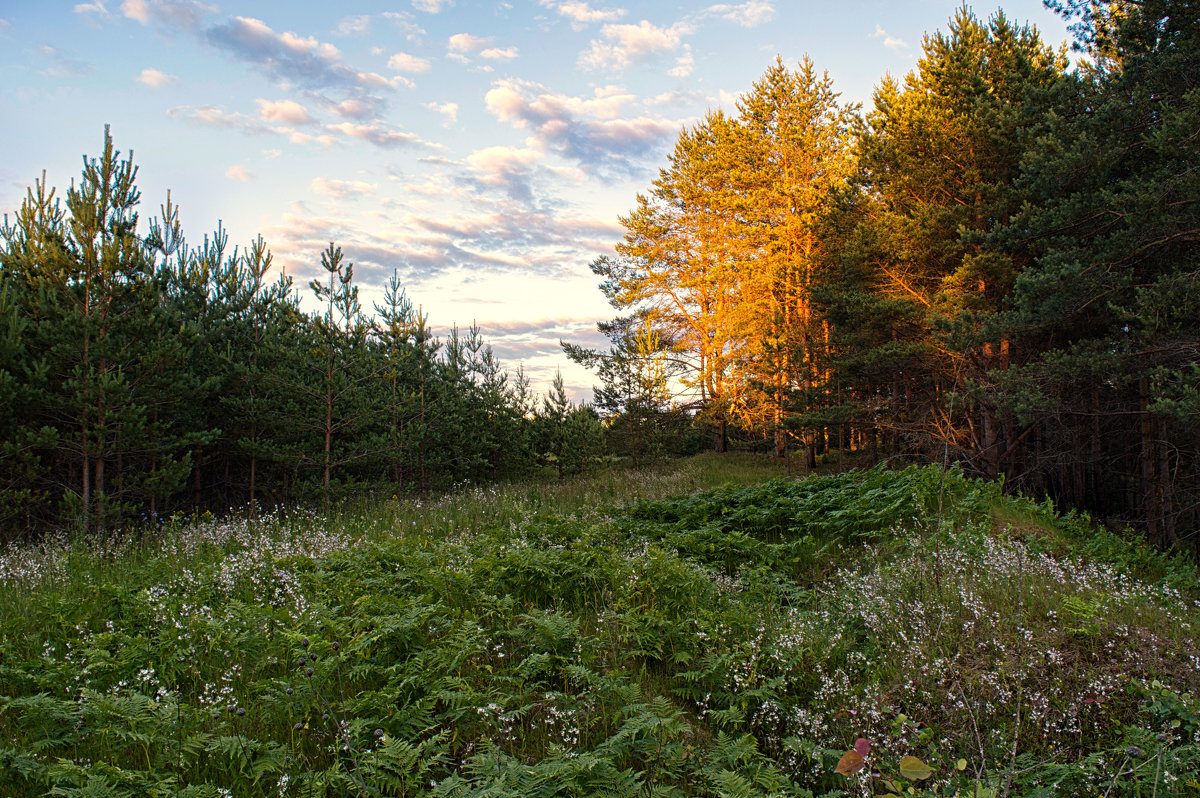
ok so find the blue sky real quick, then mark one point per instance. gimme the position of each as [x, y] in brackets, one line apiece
[483, 150]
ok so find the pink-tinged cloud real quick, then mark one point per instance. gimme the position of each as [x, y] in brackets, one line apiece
[748, 15]
[626, 45]
[301, 60]
[496, 54]
[239, 173]
[432, 6]
[582, 14]
[404, 62]
[590, 131]
[467, 43]
[156, 79]
[379, 134]
[285, 111]
[449, 112]
[354, 26]
[92, 13]
[340, 189]
[177, 15]
[216, 116]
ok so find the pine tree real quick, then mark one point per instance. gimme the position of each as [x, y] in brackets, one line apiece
[796, 138]
[1107, 321]
[937, 163]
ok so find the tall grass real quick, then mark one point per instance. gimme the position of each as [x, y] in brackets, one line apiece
[705, 629]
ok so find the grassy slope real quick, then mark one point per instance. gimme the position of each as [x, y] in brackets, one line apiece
[552, 640]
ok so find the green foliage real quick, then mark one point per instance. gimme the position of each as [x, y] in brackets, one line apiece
[539, 641]
[141, 376]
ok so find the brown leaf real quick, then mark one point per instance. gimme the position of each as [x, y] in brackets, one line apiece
[850, 763]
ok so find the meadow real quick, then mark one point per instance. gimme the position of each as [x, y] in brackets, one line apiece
[708, 628]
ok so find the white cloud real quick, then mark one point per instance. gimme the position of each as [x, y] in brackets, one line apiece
[173, 14]
[626, 45]
[340, 189]
[684, 64]
[593, 131]
[496, 54]
[889, 41]
[63, 66]
[749, 15]
[286, 111]
[404, 62]
[449, 112]
[466, 43]
[239, 173]
[431, 6]
[358, 108]
[494, 163]
[582, 14]
[155, 79]
[93, 13]
[354, 26]
[405, 23]
[378, 134]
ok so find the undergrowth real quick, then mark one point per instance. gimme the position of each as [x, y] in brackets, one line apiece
[626, 635]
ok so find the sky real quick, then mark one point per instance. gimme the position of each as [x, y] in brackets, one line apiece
[483, 151]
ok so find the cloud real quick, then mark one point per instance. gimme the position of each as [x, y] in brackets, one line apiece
[62, 66]
[216, 116]
[286, 111]
[582, 14]
[289, 57]
[178, 15]
[353, 26]
[405, 23]
[340, 189]
[403, 62]
[155, 79]
[92, 13]
[684, 64]
[496, 54]
[449, 112]
[626, 45]
[239, 173]
[590, 131]
[749, 15]
[505, 167]
[431, 6]
[466, 43]
[357, 108]
[380, 135]
[890, 42]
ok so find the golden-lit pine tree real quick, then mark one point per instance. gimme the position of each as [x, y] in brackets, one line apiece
[677, 264]
[796, 143]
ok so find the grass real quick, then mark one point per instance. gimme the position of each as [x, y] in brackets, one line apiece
[709, 628]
